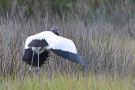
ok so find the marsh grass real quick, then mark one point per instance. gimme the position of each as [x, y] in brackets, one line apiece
[107, 48]
[66, 82]
[104, 36]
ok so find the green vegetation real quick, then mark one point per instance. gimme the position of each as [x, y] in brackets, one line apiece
[103, 31]
[66, 82]
[86, 9]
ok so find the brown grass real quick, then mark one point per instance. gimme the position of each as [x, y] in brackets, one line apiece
[108, 48]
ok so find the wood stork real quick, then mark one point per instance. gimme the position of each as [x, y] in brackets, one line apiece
[38, 46]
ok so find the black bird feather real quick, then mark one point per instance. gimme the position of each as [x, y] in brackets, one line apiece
[27, 57]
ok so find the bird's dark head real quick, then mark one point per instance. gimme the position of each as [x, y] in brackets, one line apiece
[55, 31]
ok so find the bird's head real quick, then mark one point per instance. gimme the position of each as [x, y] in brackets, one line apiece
[55, 31]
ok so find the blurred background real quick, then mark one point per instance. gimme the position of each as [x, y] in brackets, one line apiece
[103, 31]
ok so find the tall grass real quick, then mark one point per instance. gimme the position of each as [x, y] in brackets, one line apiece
[104, 34]
[66, 82]
[108, 48]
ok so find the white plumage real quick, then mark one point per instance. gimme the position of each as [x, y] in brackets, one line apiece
[54, 41]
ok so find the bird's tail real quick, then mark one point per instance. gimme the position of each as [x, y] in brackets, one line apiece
[83, 62]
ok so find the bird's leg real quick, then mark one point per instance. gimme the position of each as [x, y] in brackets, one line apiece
[38, 64]
[30, 68]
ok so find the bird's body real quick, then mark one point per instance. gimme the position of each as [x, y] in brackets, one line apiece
[50, 41]
[37, 48]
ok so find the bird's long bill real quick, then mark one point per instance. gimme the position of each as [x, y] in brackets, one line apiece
[70, 56]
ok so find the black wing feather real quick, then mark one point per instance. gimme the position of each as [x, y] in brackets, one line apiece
[70, 56]
[38, 43]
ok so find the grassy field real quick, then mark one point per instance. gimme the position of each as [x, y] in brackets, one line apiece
[66, 82]
[102, 30]
[108, 50]
[108, 47]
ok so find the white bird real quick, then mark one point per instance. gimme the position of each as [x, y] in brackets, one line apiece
[38, 46]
